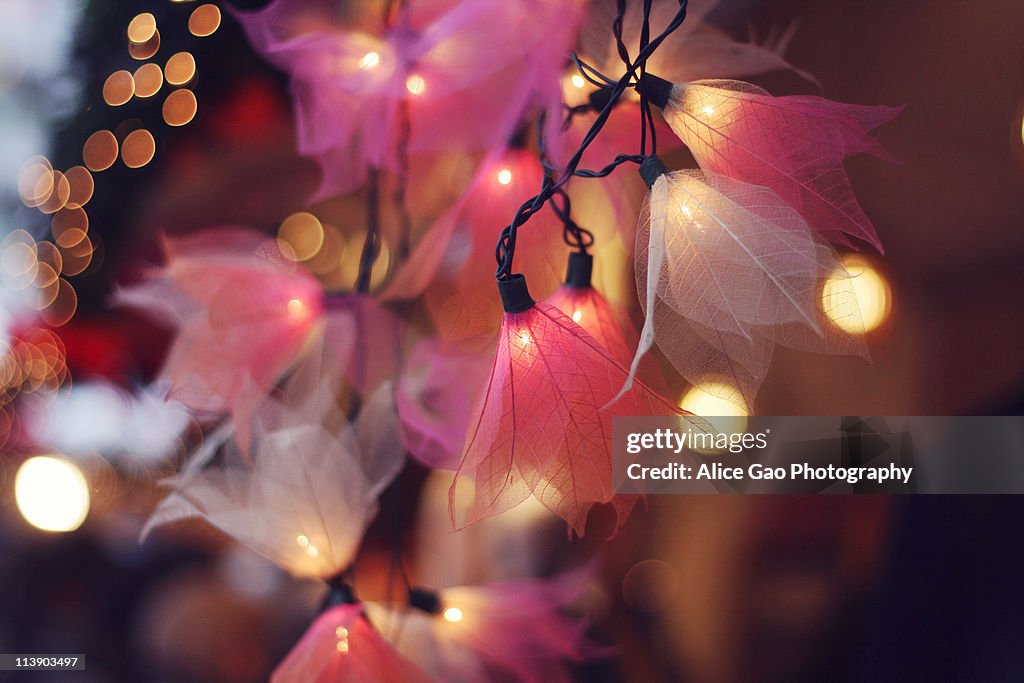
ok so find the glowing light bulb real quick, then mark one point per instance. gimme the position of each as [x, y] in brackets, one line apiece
[296, 307]
[312, 551]
[52, 494]
[415, 84]
[577, 80]
[303, 541]
[576, 315]
[709, 110]
[872, 292]
[525, 337]
[452, 615]
[369, 60]
[505, 176]
[687, 212]
[342, 633]
[705, 400]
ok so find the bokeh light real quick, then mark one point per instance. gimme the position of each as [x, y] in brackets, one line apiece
[141, 51]
[302, 232]
[328, 257]
[63, 306]
[180, 107]
[453, 615]
[706, 400]
[149, 78]
[871, 289]
[48, 254]
[141, 28]
[415, 84]
[204, 21]
[59, 194]
[69, 226]
[118, 88]
[180, 68]
[100, 151]
[35, 181]
[138, 148]
[81, 186]
[52, 494]
[369, 61]
[18, 258]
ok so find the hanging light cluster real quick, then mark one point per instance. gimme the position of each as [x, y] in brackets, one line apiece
[312, 400]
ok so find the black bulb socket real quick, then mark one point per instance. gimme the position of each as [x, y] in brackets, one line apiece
[652, 168]
[425, 600]
[581, 267]
[657, 89]
[515, 297]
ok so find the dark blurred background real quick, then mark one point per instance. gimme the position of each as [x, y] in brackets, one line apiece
[714, 589]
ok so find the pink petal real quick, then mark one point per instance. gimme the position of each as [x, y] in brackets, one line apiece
[249, 312]
[540, 429]
[341, 646]
[434, 396]
[793, 145]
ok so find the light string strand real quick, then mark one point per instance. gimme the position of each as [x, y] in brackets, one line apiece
[505, 248]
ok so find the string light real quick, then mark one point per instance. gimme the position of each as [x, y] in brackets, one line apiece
[415, 84]
[872, 291]
[505, 176]
[369, 61]
[342, 634]
[577, 80]
[705, 400]
[452, 615]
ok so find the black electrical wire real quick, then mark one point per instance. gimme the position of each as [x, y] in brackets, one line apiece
[371, 247]
[505, 248]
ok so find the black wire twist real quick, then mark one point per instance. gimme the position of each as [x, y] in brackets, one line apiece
[505, 249]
